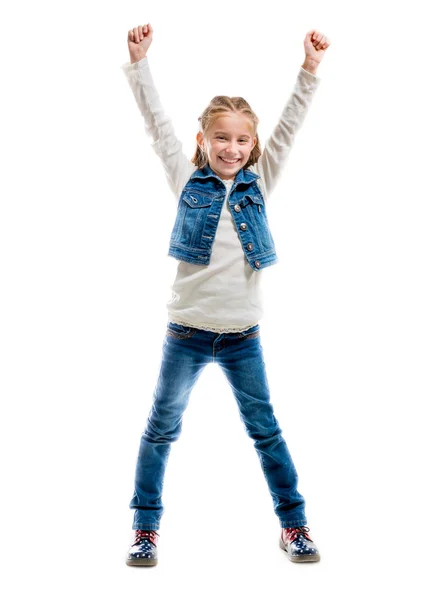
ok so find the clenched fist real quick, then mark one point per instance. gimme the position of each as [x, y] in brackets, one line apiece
[315, 45]
[139, 40]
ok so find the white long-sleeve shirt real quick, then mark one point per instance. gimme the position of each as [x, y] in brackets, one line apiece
[225, 295]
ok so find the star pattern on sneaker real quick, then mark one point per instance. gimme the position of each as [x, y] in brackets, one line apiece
[145, 544]
[298, 544]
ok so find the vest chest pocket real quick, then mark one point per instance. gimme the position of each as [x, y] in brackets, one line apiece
[192, 217]
[255, 204]
[253, 199]
[197, 199]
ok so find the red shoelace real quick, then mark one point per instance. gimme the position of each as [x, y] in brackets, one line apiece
[141, 535]
[292, 533]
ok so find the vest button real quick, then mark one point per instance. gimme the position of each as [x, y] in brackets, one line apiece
[250, 247]
[257, 263]
[243, 226]
[237, 208]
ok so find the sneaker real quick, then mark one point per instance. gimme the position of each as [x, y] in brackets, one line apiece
[298, 545]
[143, 552]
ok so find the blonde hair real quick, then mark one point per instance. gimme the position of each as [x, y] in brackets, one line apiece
[219, 106]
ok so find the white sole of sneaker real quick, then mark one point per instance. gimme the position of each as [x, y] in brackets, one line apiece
[303, 558]
[141, 562]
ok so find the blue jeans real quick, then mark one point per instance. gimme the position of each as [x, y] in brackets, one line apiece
[186, 352]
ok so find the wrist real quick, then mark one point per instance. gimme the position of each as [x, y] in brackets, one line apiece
[310, 65]
[136, 57]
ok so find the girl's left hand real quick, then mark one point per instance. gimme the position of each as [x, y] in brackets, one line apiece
[315, 45]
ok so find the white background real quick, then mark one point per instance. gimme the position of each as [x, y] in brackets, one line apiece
[350, 327]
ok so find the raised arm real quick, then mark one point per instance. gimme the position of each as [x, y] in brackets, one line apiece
[277, 148]
[158, 125]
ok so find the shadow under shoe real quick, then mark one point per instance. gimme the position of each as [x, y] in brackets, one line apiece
[298, 545]
[143, 552]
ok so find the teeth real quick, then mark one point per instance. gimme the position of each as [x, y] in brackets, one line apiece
[229, 161]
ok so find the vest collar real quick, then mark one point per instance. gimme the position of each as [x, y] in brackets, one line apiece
[242, 176]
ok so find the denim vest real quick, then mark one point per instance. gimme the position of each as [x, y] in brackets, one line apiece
[198, 214]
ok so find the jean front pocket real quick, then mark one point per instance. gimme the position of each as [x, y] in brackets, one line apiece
[180, 332]
[250, 333]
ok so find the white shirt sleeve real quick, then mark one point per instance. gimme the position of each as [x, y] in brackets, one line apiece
[278, 146]
[158, 125]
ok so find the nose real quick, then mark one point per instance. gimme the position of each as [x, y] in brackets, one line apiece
[231, 148]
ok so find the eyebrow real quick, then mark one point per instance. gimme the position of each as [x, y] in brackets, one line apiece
[226, 133]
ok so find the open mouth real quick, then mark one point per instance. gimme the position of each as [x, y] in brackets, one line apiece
[229, 162]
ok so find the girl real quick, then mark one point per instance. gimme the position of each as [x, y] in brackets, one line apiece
[222, 240]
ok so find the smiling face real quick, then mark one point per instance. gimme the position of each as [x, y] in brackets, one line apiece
[228, 144]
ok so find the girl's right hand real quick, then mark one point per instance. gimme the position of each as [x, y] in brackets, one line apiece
[139, 40]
